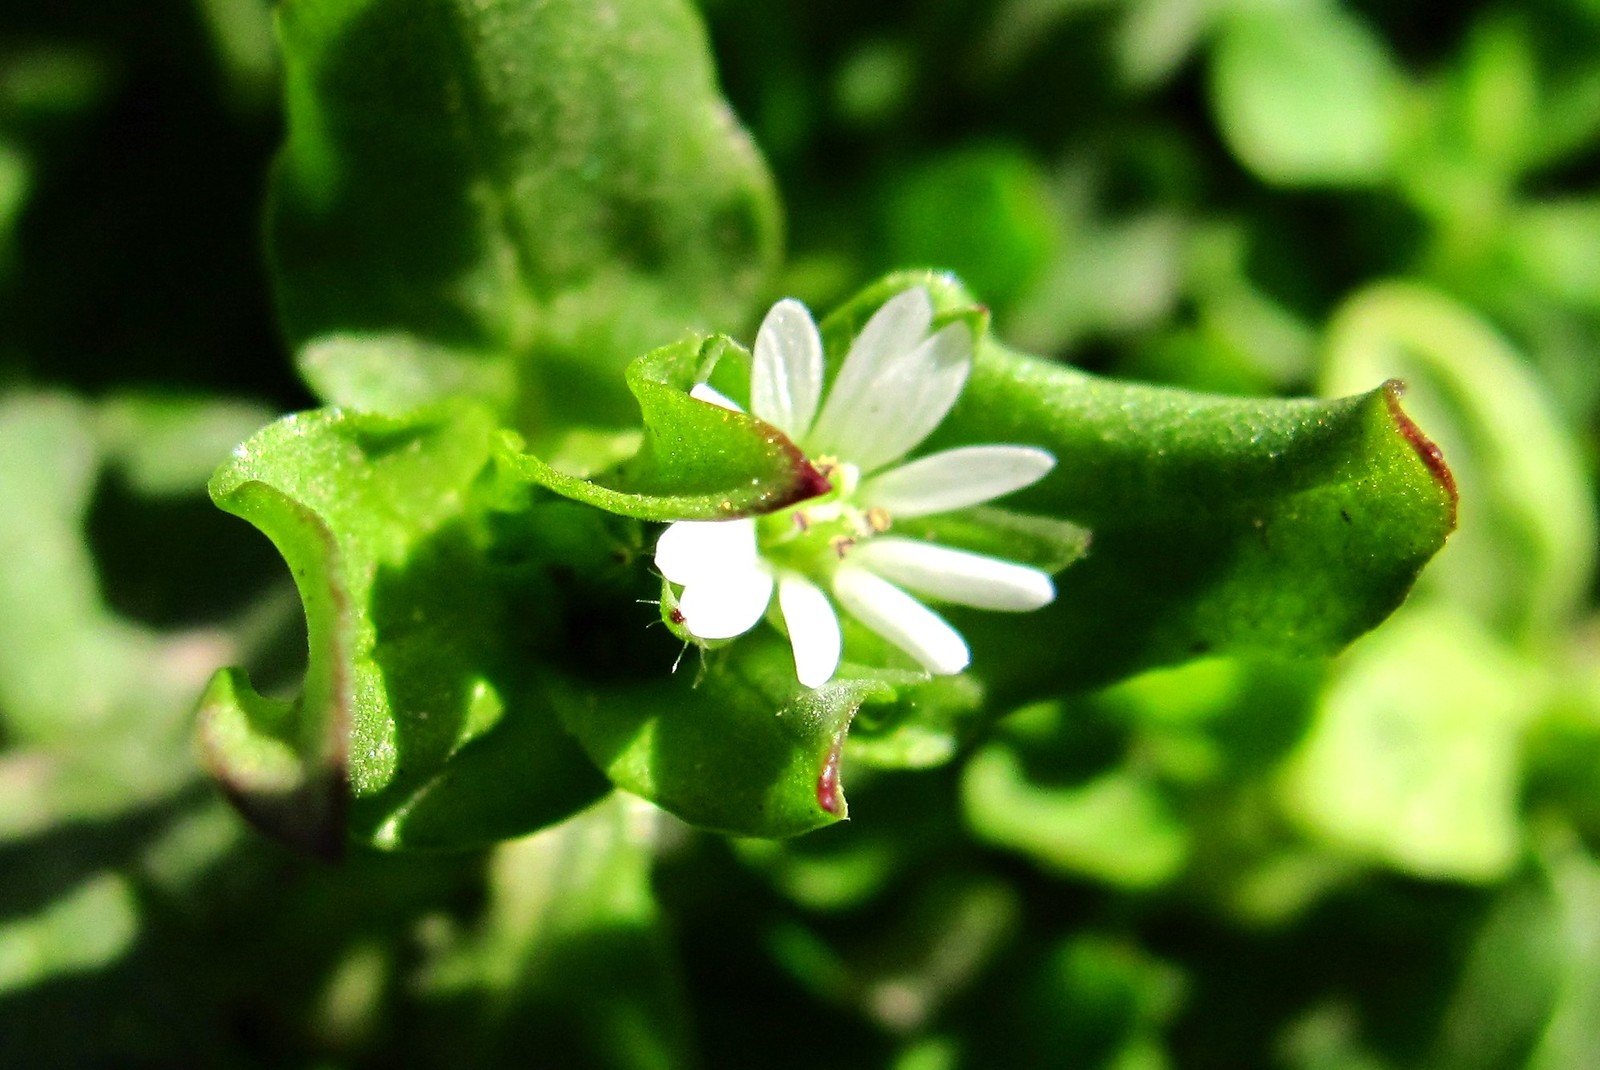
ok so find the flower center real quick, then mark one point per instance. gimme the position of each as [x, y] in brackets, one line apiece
[813, 537]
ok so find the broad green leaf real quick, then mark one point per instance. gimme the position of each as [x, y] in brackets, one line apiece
[1525, 556]
[1305, 94]
[418, 699]
[1218, 524]
[698, 461]
[507, 190]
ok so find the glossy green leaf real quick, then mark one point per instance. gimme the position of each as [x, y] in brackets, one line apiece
[418, 700]
[697, 461]
[507, 191]
[1218, 524]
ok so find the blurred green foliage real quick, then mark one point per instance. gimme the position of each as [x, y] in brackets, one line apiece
[1383, 861]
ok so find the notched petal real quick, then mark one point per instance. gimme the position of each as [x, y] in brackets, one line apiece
[727, 605]
[786, 374]
[813, 629]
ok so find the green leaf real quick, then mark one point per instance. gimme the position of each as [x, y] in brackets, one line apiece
[1525, 557]
[740, 747]
[1115, 827]
[418, 700]
[698, 461]
[80, 932]
[1218, 524]
[1306, 94]
[1412, 760]
[508, 190]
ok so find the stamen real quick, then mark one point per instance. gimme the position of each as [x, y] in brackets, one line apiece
[841, 544]
[878, 519]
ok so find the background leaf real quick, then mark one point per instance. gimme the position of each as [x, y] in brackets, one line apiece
[507, 186]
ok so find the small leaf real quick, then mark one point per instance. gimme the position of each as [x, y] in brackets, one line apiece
[1413, 757]
[698, 461]
[1115, 827]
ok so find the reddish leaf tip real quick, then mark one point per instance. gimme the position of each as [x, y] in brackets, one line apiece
[828, 794]
[1431, 454]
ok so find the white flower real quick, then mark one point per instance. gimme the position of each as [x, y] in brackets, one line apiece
[897, 383]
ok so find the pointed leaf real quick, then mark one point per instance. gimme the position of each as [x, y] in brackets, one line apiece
[1218, 524]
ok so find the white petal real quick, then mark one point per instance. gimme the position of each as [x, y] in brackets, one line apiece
[813, 629]
[691, 551]
[955, 479]
[902, 620]
[956, 575]
[910, 398]
[708, 393]
[786, 377]
[895, 330]
[727, 605]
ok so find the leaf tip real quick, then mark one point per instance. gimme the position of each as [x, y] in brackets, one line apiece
[243, 747]
[829, 794]
[1432, 456]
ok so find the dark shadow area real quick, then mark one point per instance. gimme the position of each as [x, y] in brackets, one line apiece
[138, 257]
[176, 562]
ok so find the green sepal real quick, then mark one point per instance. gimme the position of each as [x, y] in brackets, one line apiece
[697, 461]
